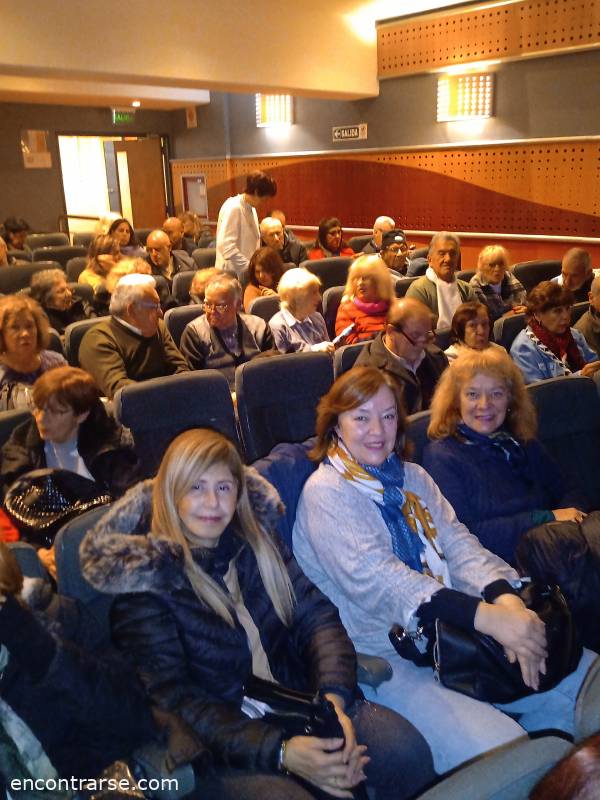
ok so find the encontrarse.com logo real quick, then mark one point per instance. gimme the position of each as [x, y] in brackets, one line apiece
[92, 784]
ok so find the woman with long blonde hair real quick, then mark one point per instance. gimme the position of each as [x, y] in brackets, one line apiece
[209, 599]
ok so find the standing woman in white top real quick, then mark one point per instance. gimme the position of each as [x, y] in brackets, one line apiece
[238, 234]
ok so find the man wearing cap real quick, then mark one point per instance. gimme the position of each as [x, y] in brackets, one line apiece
[394, 252]
[380, 226]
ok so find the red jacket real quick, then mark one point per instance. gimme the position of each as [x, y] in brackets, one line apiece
[366, 325]
[316, 252]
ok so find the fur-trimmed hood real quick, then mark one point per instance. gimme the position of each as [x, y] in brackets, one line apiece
[118, 555]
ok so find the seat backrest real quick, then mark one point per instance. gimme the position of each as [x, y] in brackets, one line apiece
[416, 433]
[332, 298]
[530, 273]
[60, 253]
[277, 399]
[419, 252]
[75, 267]
[28, 560]
[569, 427]
[160, 409]
[330, 271]
[142, 234]
[345, 357]
[205, 256]
[82, 291]
[9, 421]
[402, 285]
[55, 342]
[19, 275]
[578, 311]
[177, 318]
[265, 307]
[74, 333]
[506, 329]
[358, 242]
[83, 238]
[21, 255]
[465, 275]
[181, 286]
[36, 240]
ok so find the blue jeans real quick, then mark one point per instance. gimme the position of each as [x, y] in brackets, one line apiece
[458, 728]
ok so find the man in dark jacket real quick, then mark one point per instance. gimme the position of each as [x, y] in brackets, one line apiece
[173, 227]
[405, 350]
[380, 226]
[164, 260]
[273, 235]
[589, 323]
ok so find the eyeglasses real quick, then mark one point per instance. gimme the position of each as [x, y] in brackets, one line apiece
[423, 338]
[220, 307]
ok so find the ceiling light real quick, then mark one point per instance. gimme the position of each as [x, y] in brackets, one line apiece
[136, 104]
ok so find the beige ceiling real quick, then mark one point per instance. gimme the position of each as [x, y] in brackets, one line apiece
[169, 53]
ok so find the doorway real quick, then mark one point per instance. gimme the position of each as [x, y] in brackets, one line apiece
[123, 175]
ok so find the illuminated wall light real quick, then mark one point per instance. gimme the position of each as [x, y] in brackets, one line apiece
[465, 97]
[273, 110]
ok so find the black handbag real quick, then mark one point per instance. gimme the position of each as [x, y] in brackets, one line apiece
[41, 501]
[475, 664]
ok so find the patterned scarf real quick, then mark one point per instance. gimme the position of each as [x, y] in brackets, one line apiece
[502, 444]
[561, 346]
[412, 532]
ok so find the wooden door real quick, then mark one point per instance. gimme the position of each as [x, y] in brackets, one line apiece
[146, 181]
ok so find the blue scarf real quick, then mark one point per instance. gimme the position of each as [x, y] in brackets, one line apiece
[499, 443]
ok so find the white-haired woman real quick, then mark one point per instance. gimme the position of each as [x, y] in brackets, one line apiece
[207, 599]
[299, 327]
[495, 285]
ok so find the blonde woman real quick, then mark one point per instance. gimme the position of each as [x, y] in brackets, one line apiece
[299, 327]
[209, 599]
[495, 285]
[367, 295]
[103, 254]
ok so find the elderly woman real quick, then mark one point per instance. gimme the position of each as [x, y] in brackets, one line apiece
[264, 272]
[329, 241]
[483, 424]
[103, 254]
[549, 347]
[51, 290]
[299, 327]
[495, 285]
[124, 234]
[377, 536]
[207, 598]
[24, 337]
[366, 299]
[470, 330]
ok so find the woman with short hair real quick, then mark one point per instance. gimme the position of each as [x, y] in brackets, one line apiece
[470, 330]
[51, 290]
[330, 241]
[299, 327]
[495, 285]
[264, 273]
[366, 299]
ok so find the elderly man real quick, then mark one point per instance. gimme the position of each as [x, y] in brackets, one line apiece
[380, 226]
[238, 235]
[405, 349]
[577, 273]
[589, 323]
[224, 338]
[134, 344]
[438, 288]
[163, 260]
[274, 235]
[173, 227]
[394, 252]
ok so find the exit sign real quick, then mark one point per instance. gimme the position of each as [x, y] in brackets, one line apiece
[123, 116]
[344, 133]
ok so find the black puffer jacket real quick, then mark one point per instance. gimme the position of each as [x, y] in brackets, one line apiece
[190, 660]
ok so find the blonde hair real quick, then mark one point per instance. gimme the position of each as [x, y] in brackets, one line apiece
[127, 266]
[491, 251]
[188, 457]
[373, 267]
[521, 417]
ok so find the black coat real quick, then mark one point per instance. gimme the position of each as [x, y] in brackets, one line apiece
[191, 661]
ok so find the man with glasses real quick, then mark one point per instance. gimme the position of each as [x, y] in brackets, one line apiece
[394, 252]
[224, 338]
[406, 350]
[134, 344]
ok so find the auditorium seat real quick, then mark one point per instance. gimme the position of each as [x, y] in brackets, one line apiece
[60, 253]
[530, 273]
[416, 433]
[465, 274]
[277, 399]
[506, 329]
[55, 344]
[28, 560]
[345, 357]
[578, 311]
[332, 298]
[9, 420]
[21, 255]
[181, 286]
[358, 242]
[36, 240]
[18, 276]
[204, 256]
[402, 285]
[160, 409]
[418, 252]
[265, 307]
[83, 238]
[330, 271]
[74, 333]
[75, 267]
[142, 234]
[176, 320]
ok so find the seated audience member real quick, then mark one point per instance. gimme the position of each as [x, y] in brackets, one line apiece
[549, 347]
[575, 777]
[495, 285]
[236, 603]
[470, 330]
[51, 290]
[485, 458]
[278, 214]
[126, 266]
[577, 273]
[24, 337]
[198, 285]
[394, 252]
[16, 230]
[367, 295]
[196, 229]
[299, 327]
[265, 269]
[173, 227]
[122, 231]
[163, 260]
[380, 226]
[70, 430]
[329, 241]
[273, 235]
[589, 323]
[5, 259]
[134, 344]
[406, 350]
[376, 535]
[439, 288]
[103, 254]
[224, 337]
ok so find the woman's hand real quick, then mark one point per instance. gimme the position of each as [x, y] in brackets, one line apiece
[590, 369]
[520, 631]
[569, 515]
[322, 763]
[323, 347]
